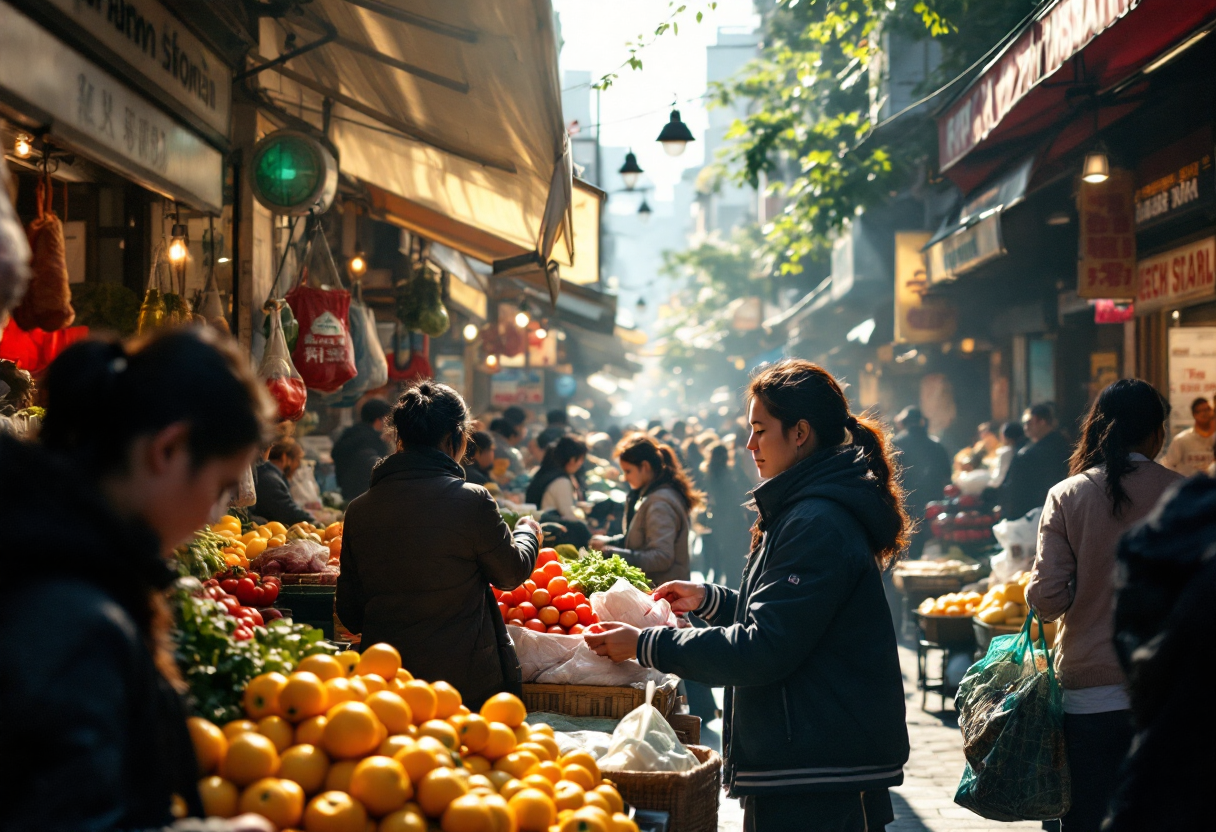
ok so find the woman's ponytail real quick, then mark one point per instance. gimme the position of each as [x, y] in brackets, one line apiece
[869, 437]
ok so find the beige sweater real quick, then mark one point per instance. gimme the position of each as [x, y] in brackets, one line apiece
[1074, 567]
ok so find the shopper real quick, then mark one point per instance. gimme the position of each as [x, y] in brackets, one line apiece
[421, 548]
[814, 732]
[1190, 451]
[658, 510]
[1114, 485]
[479, 459]
[507, 436]
[139, 445]
[360, 447]
[557, 424]
[271, 481]
[554, 487]
[726, 544]
[924, 469]
[1013, 439]
[1038, 466]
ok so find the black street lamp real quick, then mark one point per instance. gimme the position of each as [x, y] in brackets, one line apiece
[630, 171]
[675, 135]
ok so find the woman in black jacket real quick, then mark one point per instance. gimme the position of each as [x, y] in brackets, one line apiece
[136, 451]
[814, 731]
[421, 548]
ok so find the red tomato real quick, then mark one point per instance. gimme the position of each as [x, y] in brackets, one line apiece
[255, 615]
[552, 569]
[540, 578]
[565, 602]
[242, 633]
[229, 584]
[577, 629]
[547, 556]
[568, 619]
[557, 586]
[580, 597]
[549, 615]
[513, 614]
[535, 625]
[230, 603]
[527, 610]
[270, 591]
[244, 590]
[519, 595]
[531, 586]
[556, 630]
[585, 615]
[594, 628]
[254, 576]
[272, 579]
[211, 582]
[257, 597]
[541, 598]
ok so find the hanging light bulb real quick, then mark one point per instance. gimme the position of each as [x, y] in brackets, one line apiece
[177, 244]
[644, 210]
[522, 318]
[630, 171]
[542, 333]
[491, 360]
[357, 265]
[1097, 165]
[641, 304]
[470, 332]
[24, 145]
[675, 135]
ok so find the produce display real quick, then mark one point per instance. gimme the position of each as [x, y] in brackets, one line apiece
[952, 604]
[1006, 603]
[354, 742]
[548, 602]
[961, 518]
[591, 572]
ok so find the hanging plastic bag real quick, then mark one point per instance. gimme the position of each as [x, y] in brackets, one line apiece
[1011, 712]
[627, 604]
[369, 358]
[410, 358]
[246, 492]
[153, 312]
[643, 741]
[279, 374]
[47, 304]
[324, 353]
[14, 250]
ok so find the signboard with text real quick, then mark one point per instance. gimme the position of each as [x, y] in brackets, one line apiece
[1175, 180]
[522, 387]
[1192, 371]
[1177, 277]
[1106, 260]
[919, 318]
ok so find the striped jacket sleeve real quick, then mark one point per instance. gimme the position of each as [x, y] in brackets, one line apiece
[717, 609]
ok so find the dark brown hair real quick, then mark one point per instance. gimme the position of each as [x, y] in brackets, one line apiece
[1124, 415]
[637, 448]
[428, 413]
[793, 390]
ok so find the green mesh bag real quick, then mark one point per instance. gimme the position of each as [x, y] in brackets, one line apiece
[1011, 713]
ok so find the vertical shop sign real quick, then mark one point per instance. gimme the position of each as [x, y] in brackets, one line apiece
[1192, 371]
[1106, 260]
[919, 319]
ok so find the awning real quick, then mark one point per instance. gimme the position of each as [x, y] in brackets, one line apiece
[595, 350]
[1008, 109]
[449, 112]
[972, 235]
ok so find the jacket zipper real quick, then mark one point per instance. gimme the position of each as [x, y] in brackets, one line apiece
[865, 821]
[785, 703]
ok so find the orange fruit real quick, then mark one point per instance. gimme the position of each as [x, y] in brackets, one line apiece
[505, 708]
[340, 690]
[541, 752]
[210, 744]
[623, 823]
[582, 758]
[262, 695]
[381, 659]
[325, 667]
[539, 782]
[278, 730]
[511, 788]
[352, 730]
[306, 765]
[499, 779]
[448, 700]
[404, 820]
[438, 788]
[479, 782]
[594, 798]
[546, 742]
[220, 797]
[358, 686]
[615, 802]
[517, 763]
[338, 778]
[279, 801]
[394, 743]
[549, 770]
[568, 795]
[239, 726]
[381, 785]
[533, 810]
[521, 733]
[542, 728]
[478, 764]
[500, 742]
[587, 820]
[349, 661]
[504, 821]
[250, 757]
[580, 775]
[468, 814]
[373, 683]
[474, 732]
[421, 699]
[310, 730]
[303, 696]
[391, 710]
[335, 811]
[442, 731]
[422, 757]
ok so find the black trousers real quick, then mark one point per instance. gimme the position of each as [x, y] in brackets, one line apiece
[1097, 744]
[819, 812]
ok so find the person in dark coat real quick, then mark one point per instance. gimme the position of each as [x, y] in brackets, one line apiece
[360, 447]
[726, 545]
[421, 548]
[271, 483]
[924, 470]
[136, 450]
[479, 462]
[1037, 466]
[813, 732]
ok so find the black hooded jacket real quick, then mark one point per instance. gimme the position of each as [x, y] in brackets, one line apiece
[99, 734]
[806, 648]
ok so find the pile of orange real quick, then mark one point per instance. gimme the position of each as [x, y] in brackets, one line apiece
[353, 743]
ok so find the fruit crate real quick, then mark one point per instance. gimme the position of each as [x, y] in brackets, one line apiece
[690, 797]
[309, 604]
[596, 700]
[953, 630]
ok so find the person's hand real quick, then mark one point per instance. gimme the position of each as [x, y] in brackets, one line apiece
[598, 542]
[684, 596]
[529, 522]
[618, 641]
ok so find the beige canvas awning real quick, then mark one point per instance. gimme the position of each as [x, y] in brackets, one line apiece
[449, 112]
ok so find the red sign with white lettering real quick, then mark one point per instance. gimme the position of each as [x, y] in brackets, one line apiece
[1106, 260]
[1178, 277]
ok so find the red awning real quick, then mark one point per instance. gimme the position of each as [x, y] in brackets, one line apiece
[1021, 102]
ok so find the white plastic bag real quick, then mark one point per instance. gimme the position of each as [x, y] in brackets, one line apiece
[1019, 539]
[627, 604]
[643, 741]
[246, 494]
[549, 659]
[304, 488]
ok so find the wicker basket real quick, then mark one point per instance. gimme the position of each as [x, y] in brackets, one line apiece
[595, 700]
[687, 728]
[953, 630]
[690, 797]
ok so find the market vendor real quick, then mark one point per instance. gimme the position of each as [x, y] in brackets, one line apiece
[421, 548]
[136, 451]
[271, 480]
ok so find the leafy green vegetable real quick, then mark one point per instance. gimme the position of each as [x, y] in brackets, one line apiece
[592, 572]
[106, 306]
[202, 557]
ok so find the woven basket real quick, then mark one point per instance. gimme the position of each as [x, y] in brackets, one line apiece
[929, 585]
[690, 797]
[595, 700]
[955, 630]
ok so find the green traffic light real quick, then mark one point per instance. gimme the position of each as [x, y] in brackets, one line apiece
[288, 170]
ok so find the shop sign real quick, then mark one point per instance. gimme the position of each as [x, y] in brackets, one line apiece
[89, 106]
[1177, 277]
[1106, 260]
[1041, 49]
[148, 37]
[449, 369]
[919, 319]
[1175, 180]
[520, 387]
[1192, 371]
[966, 248]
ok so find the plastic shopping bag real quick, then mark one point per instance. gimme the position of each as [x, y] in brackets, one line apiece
[1018, 538]
[324, 354]
[627, 604]
[246, 493]
[1011, 713]
[279, 374]
[643, 741]
[549, 659]
[369, 359]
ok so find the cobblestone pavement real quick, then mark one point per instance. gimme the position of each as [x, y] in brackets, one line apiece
[925, 802]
